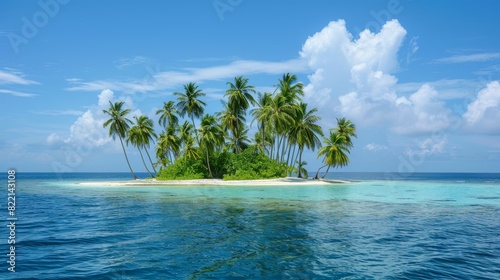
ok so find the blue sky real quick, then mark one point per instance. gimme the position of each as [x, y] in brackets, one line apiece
[420, 79]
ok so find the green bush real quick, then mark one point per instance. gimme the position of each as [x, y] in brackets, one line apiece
[248, 165]
[184, 169]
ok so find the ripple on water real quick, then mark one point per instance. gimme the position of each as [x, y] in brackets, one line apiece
[171, 234]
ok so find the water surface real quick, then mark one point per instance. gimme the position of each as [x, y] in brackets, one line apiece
[431, 227]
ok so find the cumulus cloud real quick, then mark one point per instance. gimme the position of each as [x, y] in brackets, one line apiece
[483, 113]
[355, 78]
[88, 131]
[428, 147]
[422, 112]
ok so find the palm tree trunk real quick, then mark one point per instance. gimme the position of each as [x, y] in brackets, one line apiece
[143, 162]
[126, 157]
[278, 148]
[208, 164]
[263, 127]
[285, 147]
[272, 149]
[323, 177]
[288, 158]
[296, 158]
[300, 161]
[317, 173]
[195, 132]
[156, 172]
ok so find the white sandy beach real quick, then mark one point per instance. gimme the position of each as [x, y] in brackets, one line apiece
[289, 181]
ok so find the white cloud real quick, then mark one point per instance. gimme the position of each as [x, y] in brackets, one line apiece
[14, 77]
[156, 80]
[479, 57]
[17, 93]
[412, 49]
[124, 63]
[88, 131]
[54, 140]
[59, 112]
[355, 78]
[104, 98]
[372, 147]
[428, 147]
[421, 113]
[483, 114]
[357, 72]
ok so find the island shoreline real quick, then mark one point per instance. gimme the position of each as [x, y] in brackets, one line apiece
[288, 181]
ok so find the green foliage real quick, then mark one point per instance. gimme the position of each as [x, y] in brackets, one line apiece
[248, 165]
[251, 164]
[184, 168]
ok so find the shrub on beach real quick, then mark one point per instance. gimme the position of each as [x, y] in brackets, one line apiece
[248, 165]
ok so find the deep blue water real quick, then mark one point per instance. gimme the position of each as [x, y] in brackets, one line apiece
[387, 226]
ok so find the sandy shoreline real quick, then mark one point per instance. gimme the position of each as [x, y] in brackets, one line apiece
[214, 182]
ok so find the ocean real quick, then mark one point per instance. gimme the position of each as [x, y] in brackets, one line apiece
[382, 226]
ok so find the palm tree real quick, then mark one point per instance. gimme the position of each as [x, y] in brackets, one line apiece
[240, 93]
[147, 134]
[239, 99]
[347, 129]
[300, 169]
[168, 144]
[239, 141]
[189, 102]
[211, 135]
[118, 125]
[231, 120]
[290, 89]
[260, 114]
[135, 138]
[305, 131]
[168, 114]
[335, 149]
[190, 150]
[281, 116]
[185, 132]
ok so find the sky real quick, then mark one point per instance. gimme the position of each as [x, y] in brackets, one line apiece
[419, 79]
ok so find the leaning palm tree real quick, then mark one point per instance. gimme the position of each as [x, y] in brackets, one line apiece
[168, 145]
[335, 149]
[145, 128]
[347, 129]
[118, 125]
[305, 131]
[189, 103]
[211, 135]
[168, 114]
[134, 137]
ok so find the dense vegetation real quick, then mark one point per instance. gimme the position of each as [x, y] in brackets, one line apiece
[220, 147]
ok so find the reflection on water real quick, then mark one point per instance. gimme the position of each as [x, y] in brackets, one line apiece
[365, 230]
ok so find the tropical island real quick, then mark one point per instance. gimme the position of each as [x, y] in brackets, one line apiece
[220, 148]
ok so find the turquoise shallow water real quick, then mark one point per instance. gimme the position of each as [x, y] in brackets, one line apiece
[418, 227]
